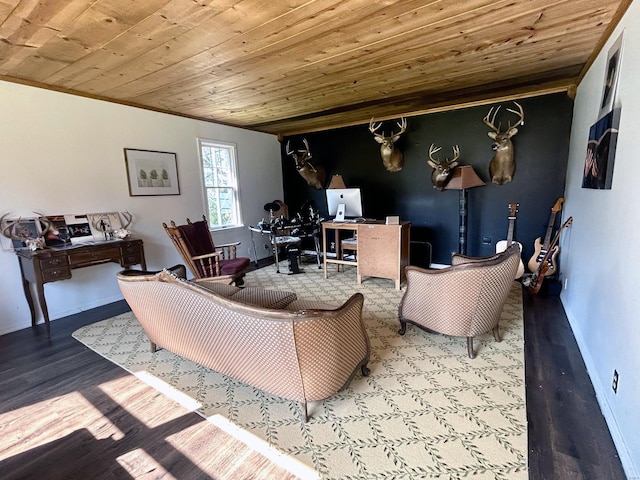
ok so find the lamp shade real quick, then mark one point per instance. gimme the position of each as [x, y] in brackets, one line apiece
[464, 177]
[337, 182]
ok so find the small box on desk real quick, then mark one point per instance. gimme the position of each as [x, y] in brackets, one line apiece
[393, 220]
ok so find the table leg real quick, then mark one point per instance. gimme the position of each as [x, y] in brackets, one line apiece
[43, 306]
[255, 252]
[324, 250]
[275, 252]
[27, 295]
[316, 241]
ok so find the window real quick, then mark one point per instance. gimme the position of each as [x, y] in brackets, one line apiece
[219, 172]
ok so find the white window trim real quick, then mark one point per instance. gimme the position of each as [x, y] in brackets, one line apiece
[234, 150]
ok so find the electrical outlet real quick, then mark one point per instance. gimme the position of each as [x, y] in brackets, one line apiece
[614, 383]
[486, 240]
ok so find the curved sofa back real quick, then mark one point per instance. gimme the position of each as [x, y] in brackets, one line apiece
[303, 355]
[465, 299]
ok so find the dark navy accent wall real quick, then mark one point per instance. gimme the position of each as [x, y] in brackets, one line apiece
[541, 151]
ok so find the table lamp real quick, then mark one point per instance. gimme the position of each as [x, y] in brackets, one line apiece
[463, 177]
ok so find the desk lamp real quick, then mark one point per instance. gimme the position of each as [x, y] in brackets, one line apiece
[463, 177]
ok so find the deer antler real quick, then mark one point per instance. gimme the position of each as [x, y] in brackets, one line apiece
[520, 113]
[403, 126]
[128, 217]
[433, 149]
[489, 120]
[306, 150]
[8, 229]
[456, 153]
[373, 128]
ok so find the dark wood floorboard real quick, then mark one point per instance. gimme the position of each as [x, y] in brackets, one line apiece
[568, 436]
[65, 412]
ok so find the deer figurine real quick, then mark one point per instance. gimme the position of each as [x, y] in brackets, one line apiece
[442, 168]
[315, 176]
[503, 165]
[392, 157]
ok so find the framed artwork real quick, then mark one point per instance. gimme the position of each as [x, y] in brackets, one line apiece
[601, 152]
[58, 235]
[151, 173]
[612, 73]
[102, 225]
[78, 228]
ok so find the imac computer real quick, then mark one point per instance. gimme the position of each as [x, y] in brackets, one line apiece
[344, 203]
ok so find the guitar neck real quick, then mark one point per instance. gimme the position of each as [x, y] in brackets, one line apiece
[512, 221]
[547, 237]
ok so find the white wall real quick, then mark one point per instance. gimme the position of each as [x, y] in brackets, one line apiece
[62, 154]
[599, 253]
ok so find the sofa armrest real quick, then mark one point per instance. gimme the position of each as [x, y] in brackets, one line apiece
[331, 345]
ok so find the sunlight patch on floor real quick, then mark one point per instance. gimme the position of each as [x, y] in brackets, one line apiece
[139, 464]
[174, 394]
[284, 461]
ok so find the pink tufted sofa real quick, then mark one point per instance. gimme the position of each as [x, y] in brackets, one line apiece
[296, 349]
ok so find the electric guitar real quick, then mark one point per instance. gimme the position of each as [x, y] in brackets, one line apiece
[538, 277]
[502, 245]
[541, 249]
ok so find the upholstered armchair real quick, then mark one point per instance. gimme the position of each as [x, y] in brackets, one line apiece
[204, 259]
[463, 300]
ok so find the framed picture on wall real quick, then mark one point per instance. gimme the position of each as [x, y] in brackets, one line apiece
[151, 173]
[601, 152]
[612, 73]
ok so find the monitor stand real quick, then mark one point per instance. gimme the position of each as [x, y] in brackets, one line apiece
[340, 212]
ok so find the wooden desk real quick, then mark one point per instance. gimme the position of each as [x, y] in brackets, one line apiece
[383, 250]
[53, 264]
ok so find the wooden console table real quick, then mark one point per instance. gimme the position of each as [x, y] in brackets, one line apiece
[382, 250]
[53, 264]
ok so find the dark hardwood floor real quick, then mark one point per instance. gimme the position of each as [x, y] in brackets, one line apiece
[568, 436]
[108, 424]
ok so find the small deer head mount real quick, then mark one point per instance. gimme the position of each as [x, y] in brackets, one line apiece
[503, 165]
[315, 176]
[392, 157]
[442, 168]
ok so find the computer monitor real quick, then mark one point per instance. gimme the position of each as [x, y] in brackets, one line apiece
[349, 197]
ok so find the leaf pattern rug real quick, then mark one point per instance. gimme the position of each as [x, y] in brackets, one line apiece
[427, 411]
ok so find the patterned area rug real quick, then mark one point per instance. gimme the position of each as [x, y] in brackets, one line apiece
[426, 411]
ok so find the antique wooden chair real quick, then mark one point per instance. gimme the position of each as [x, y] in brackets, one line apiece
[204, 259]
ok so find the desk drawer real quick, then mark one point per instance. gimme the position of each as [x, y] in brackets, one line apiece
[53, 274]
[131, 259]
[131, 248]
[86, 258]
[53, 262]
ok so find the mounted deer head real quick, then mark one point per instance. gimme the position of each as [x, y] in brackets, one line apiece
[9, 228]
[315, 176]
[503, 165]
[442, 168]
[392, 157]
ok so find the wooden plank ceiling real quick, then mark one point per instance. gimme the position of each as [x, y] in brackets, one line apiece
[293, 66]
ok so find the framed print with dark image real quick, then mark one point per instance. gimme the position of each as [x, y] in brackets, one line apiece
[612, 74]
[601, 152]
[151, 173]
